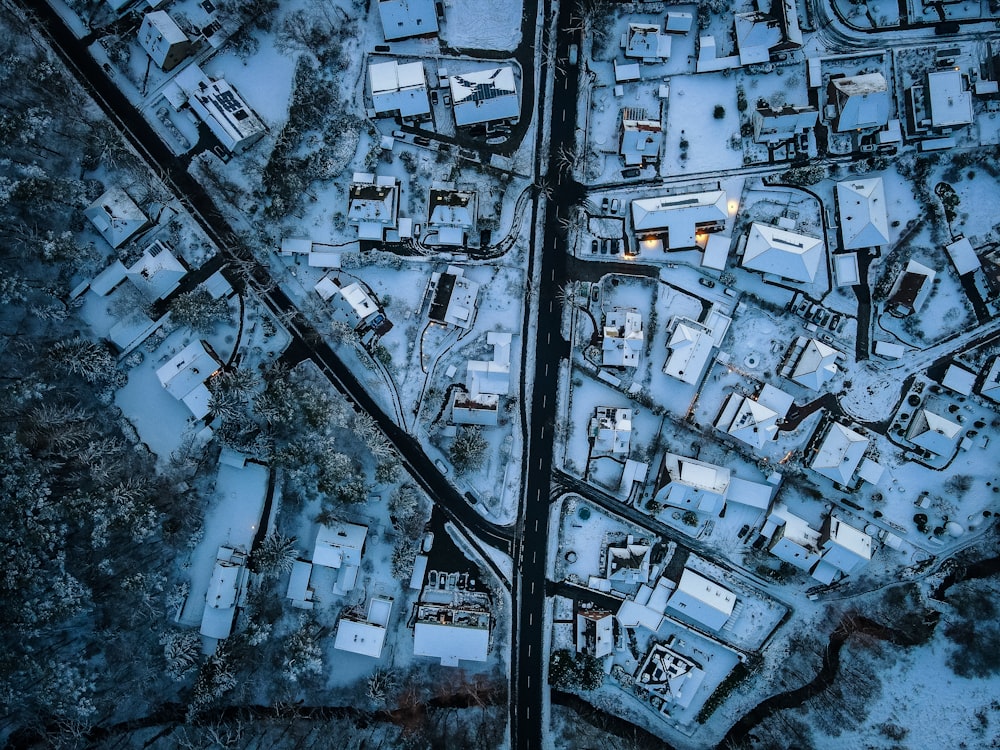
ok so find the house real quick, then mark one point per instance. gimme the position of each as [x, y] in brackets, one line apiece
[226, 114]
[644, 41]
[912, 288]
[672, 677]
[862, 210]
[861, 103]
[373, 205]
[949, 100]
[299, 590]
[716, 254]
[701, 601]
[779, 252]
[595, 632]
[963, 256]
[452, 632]
[365, 636]
[754, 421]
[610, 430]
[690, 484]
[959, 380]
[845, 550]
[453, 298]
[816, 363]
[678, 22]
[626, 72]
[485, 381]
[646, 607]
[340, 545]
[675, 220]
[756, 34]
[116, 216]
[623, 338]
[689, 349]
[990, 387]
[933, 432]
[225, 590]
[627, 562]
[485, 96]
[185, 374]
[357, 306]
[157, 272]
[640, 138]
[451, 213]
[791, 539]
[402, 19]
[164, 41]
[777, 125]
[839, 453]
[846, 271]
[399, 90]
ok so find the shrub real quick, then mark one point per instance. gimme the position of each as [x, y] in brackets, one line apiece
[719, 113]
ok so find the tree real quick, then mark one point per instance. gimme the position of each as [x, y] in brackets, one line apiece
[380, 683]
[719, 113]
[91, 361]
[468, 449]
[304, 657]
[181, 649]
[199, 311]
[275, 555]
[562, 670]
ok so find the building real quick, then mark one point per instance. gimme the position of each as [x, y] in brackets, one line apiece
[645, 41]
[779, 252]
[701, 601]
[816, 363]
[749, 420]
[373, 205]
[690, 348]
[678, 22]
[402, 19]
[641, 137]
[912, 288]
[157, 272]
[610, 430]
[299, 591]
[399, 90]
[862, 210]
[625, 72]
[949, 100]
[225, 590]
[340, 546]
[672, 677]
[451, 213]
[861, 103]
[452, 632]
[783, 124]
[365, 635]
[453, 298]
[164, 41]
[185, 374]
[623, 338]
[117, 217]
[690, 484]
[845, 550]
[791, 539]
[354, 305]
[595, 632]
[485, 381]
[933, 432]
[839, 453]
[959, 380]
[627, 562]
[757, 34]
[226, 114]
[990, 387]
[963, 256]
[485, 96]
[675, 220]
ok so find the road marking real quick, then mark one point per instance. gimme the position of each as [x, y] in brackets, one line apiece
[564, 115]
[538, 496]
[534, 559]
[545, 400]
[529, 649]
[532, 587]
[550, 305]
[566, 83]
[529, 680]
[548, 338]
[546, 369]
[529, 711]
[531, 619]
[536, 524]
[539, 464]
[541, 434]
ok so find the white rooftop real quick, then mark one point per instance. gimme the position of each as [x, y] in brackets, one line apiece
[959, 379]
[116, 216]
[339, 544]
[790, 255]
[816, 365]
[840, 453]
[949, 100]
[406, 18]
[863, 218]
[933, 432]
[623, 338]
[680, 216]
[484, 96]
[701, 600]
[185, 374]
[399, 88]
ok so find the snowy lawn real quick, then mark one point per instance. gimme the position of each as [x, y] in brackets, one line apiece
[482, 24]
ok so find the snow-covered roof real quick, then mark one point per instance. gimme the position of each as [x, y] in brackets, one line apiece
[959, 379]
[226, 114]
[792, 539]
[775, 124]
[716, 251]
[777, 251]
[748, 421]
[701, 600]
[116, 217]
[339, 544]
[756, 34]
[816, 365]
[157, 272]
[454, 298]
[399, 88]
[406, 18]
[845, 269]
[160, 35]
[912, 288]
[845, 547]
[626, 71]
[358, 299]
[933, 432]
[690, 345]
[628, 562]
[949, 100]
[991, 381]
[632, 615]
[863, 102]
[623, 338]
[298, 585]
[753, 494]
[645, 42]
[368, 636]
[451, 634]
[373, 205]
[491, 377]
[668, 674]
[484, 96]
[863, 218]
[185, 374]
[595, 632]
[228, 576]
[680, 216]
[611, 429]
[448, 208]
[963, 255]
[678, 22]
[640, 141]
[840, 453]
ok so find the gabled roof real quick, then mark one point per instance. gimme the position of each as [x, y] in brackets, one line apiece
[816, 365]
[184, 376]
[644, 41]
[840, 453]
[611, 429]
[679, 215]
[846, 547]
[484, 96]
[690, 347]
[752, 423]
[701, 600]
[116, 217]
[406, 18]
[863, 218]
[623, 338]
[339, 544]
[991, 383]
[401, 88]
[933, 432]
[770, 249]
[756, 34]
[863, 102]
[157, 273]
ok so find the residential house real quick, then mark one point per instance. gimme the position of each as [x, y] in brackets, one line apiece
[845, 550]
[117, 217]
[701, 601]
[860, 103]
[626, 72]
[485, 96]
[862, 210]
[485, 381]
[365, 635]
[610, 430]
[678, 22]
[164, 41]
[645, 41]
[399, 90]
[673, 221]
[356, 305]
[959, 380]
[402, 19]
[453, 298]
[299, 591]
[226, 114]
[185, 374]
[754, 421]
[839, 453]
[791, 539]
[691, 343]
[452, 632]
[912, 288]
[990, 387]
[451, 213]
[340, 546]
[815, 364]
[756, 34]
[778, 252]
[690, 484]
[627, 562]
[672, 677]
[157, 272]
[785, 123]
[943, 102]
[623, 338]
[934, 432]
[640, 138]
[225, 590]
[373, 205]
[595, 632]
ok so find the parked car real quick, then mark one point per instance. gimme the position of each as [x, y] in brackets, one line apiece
[604, 204]
[447, 100]
[615, 205]
[441, 466]
[631, 172]
[421, 140]
[574, 52]
[593, 246]
[616, 246]
[604, 247]
[434, 96]
[706, 282]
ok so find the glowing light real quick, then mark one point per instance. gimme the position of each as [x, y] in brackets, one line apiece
[733, 206]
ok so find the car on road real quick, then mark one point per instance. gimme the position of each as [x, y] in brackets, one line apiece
[441, 466]
[706, 282]
[574, 52]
